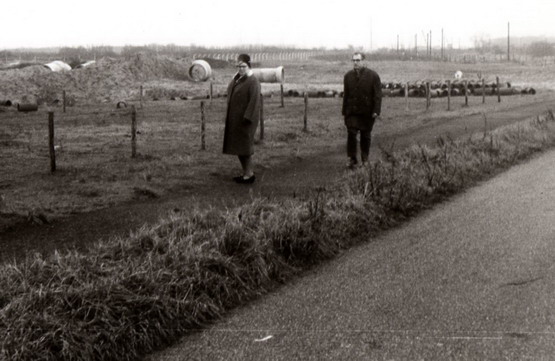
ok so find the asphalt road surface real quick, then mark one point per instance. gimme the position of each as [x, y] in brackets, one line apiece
[472, 279]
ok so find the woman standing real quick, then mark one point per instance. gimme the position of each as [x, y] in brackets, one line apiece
[243, 114]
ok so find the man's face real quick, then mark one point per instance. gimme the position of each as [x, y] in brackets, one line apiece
[242, 68]
[357, 61]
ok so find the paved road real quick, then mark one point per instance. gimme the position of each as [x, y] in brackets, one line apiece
[472, 279]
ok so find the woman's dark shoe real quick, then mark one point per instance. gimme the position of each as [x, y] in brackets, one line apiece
[238, 179]
[249, 180]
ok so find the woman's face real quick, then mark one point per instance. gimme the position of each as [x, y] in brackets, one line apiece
[242, 68]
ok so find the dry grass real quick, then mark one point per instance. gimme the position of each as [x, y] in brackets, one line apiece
[93, 138]
[129, 296]
[95, 168]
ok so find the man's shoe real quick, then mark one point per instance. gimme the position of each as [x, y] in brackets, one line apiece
[351, 164]
[238, 179]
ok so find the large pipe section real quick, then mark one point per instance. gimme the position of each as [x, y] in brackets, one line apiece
[200, 71]
[27, 107]
[57, 66]
[270, 75]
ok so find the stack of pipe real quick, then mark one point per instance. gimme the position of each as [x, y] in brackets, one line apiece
[440, 88]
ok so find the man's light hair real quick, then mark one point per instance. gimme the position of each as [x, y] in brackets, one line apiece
[362, 56]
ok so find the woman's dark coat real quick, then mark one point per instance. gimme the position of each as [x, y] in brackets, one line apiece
[243, 115]
[362, 96]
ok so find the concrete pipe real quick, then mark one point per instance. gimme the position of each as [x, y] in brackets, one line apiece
[27, 107]
[57, 66]
[529, 91]
[435, 85]
[507, 91]
[396, 93]
[270, 75]
[200, 71]
[481, 91]
[121, 104]
[414, 92]
[312, 94]
[293, 93]
[198, 97]
[6, 103]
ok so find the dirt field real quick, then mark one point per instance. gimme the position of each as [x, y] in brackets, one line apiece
[100, 191]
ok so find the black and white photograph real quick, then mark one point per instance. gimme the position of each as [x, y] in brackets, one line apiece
[277, 180]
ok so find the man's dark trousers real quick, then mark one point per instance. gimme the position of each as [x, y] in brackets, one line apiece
[356, 124]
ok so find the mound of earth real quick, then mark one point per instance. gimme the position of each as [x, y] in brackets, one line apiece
[107, 80]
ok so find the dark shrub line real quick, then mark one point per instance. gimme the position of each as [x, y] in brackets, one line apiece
[127, 297]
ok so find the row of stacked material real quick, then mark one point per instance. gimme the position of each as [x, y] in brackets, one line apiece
[415, 89]
[458, 87]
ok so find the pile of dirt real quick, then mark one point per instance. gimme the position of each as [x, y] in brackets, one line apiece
[107, 80]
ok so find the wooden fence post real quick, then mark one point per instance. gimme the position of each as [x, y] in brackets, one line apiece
[466, 93]
[141, 96]
[407, 96]
[498, 92]
[305, 119]
[51, 142]
[261, 118]
[202, 127]
[483, 91]
[281, 90]
[428, 95]
[211, 93]
[64, 101]
[133, 132]
[448, 95]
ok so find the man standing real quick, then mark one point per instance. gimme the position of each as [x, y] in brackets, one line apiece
[362, 102]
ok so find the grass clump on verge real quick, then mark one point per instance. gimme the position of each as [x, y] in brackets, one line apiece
[127, 297]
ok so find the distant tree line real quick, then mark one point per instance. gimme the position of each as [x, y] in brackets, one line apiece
[483, 46]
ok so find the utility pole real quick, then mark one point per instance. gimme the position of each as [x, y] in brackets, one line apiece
[416, 44]
[397, 44]
[370, 34]
[441, 43]
[430, 43]
[508, 41]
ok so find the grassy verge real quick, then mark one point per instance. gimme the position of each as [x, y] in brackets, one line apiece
[127, 297]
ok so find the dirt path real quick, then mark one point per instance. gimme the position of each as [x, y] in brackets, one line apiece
[294, 178]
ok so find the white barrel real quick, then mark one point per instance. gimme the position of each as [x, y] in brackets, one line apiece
[270, 75]
[200, 70]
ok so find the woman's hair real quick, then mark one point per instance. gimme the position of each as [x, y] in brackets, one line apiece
[245, 58]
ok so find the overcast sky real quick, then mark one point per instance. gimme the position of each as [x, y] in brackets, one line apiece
[328, 23]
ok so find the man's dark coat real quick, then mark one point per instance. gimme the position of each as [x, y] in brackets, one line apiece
[243, 115]
[362, 96]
